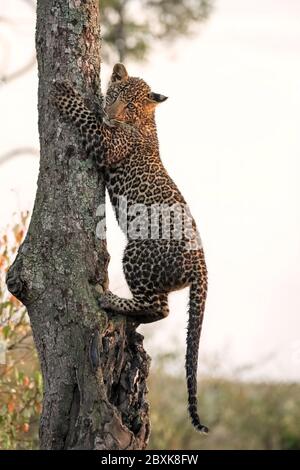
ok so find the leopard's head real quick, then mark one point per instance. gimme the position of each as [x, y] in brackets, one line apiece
[130, 99]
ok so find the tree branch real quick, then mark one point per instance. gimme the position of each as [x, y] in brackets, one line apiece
[18, 152]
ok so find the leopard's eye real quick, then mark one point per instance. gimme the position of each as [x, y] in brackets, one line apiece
[111, 97]
[130, 106]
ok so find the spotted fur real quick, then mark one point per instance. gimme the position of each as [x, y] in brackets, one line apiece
[125, 146]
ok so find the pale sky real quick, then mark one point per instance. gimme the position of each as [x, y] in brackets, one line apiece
[229, 137]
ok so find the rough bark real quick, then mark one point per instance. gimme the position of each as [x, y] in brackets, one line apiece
[94, 367]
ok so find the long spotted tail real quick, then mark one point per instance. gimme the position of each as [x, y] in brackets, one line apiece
[198, 292]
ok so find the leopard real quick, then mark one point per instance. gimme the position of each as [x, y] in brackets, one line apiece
[123, 141]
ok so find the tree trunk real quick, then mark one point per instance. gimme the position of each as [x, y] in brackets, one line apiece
[94, 367]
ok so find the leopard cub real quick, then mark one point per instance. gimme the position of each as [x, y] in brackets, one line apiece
[163, 251]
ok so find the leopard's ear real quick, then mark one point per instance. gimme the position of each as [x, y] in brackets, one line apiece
[119, 73]
[156, 98]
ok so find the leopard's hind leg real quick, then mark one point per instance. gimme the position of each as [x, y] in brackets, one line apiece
[143, 308]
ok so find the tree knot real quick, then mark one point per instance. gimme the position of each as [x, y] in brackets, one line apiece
[15, 284]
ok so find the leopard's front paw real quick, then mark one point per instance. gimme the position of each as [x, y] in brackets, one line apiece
[61, 93]
[64, 88]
